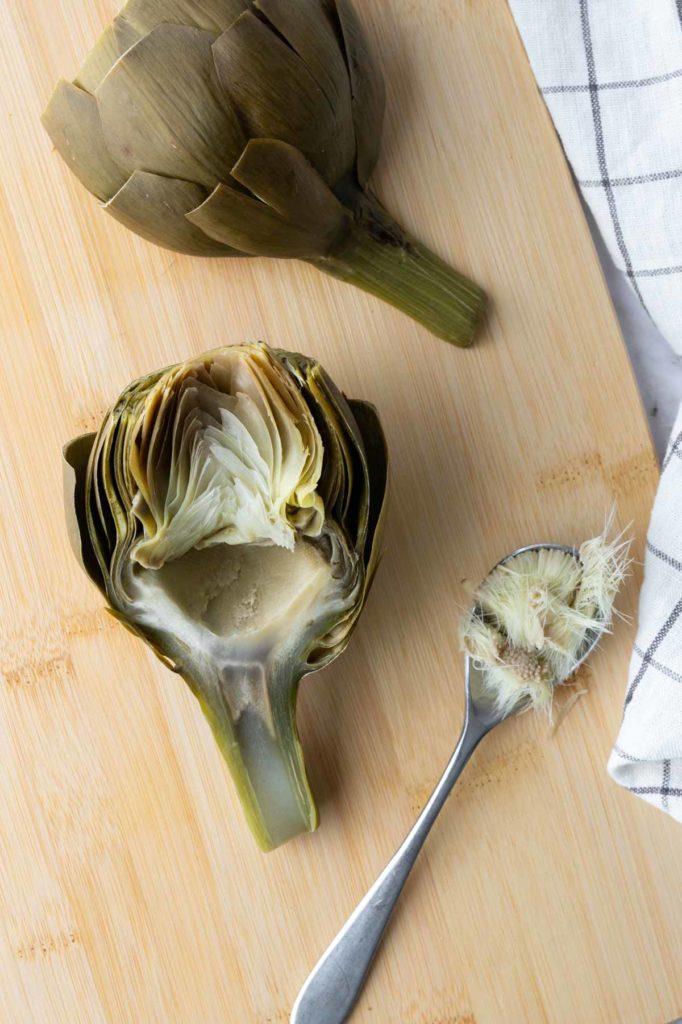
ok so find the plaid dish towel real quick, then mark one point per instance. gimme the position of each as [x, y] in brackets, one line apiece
[611, 74]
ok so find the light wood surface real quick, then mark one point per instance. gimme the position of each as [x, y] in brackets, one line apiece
[130, 889]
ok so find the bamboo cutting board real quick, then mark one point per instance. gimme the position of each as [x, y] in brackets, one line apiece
[130, 890]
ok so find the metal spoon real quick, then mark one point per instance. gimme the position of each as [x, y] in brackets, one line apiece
[333, 987]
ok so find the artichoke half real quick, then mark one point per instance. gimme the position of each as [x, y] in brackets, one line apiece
[230, 511]
[230, 127]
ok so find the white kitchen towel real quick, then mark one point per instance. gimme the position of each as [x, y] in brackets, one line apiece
[647, 757]
[611, 74]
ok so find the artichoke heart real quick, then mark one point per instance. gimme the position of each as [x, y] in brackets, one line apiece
[230, 511]
[250, 127]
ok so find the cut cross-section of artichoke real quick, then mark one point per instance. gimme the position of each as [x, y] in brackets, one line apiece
[230, 510]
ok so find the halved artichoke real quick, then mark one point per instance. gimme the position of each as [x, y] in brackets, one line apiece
[228, 127]
[230, 511]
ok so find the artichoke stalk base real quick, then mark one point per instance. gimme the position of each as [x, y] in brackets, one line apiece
[230, 510]
[231, 127]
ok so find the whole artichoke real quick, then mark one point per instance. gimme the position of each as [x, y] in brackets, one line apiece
[229, 127]
[230, 511]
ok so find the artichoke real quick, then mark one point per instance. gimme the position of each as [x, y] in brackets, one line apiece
[231, 127]
[230, 511]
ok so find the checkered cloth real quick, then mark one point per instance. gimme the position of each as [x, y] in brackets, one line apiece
[611, 74]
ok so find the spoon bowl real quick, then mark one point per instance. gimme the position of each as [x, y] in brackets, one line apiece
[477, 698]
[332, 989]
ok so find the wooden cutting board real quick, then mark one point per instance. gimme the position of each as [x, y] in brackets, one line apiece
[130, 889]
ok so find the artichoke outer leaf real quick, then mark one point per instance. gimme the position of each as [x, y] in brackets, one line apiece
[309, 31]
[75, 457]
[367, 88]
[376, 455]
[99, 61]
[163, 111]
[281, 176]
[72, 121]
[253, 227]
[126, 34]
[277, 96]
[154, 207]
[210, 15]
[375, 458]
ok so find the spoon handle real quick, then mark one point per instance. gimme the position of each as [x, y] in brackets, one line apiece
[332, 988]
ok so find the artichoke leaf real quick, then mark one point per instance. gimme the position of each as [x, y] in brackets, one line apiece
[281, 176]
[308, 29]
[350, 479]
[125, 33]
[376, 456]
[367, 88]
[210, 15]
[163, 111]
[155, 207]
[278, 97]
[75, 458]
[99, 61]
[247, 224]
[73, 124]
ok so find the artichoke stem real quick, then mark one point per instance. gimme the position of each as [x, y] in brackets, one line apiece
[261, 746]
[378, 256]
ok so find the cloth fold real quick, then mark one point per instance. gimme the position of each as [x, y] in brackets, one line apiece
[647, 756]
[610, 72]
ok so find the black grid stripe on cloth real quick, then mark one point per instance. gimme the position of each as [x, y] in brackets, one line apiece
[601, 149]
[673, 449]
[656, 791]
[637, 179]
[659, 666]
[658, 271]
[632, 83]
[674, 563]
[648, 655]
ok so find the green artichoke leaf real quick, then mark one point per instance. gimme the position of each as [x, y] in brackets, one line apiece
[370, 517]
[75, 457]
[278, 97]
[99, 61]
[200, 512]
[163, 111]
[367, 88]
[126, 34]
[210, 15]
[373, 441]
[309, 30]
[247, 224]
[72, 122]
[279, 174]
[155, 208]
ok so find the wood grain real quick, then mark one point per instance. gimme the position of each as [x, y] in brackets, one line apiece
[130, 890]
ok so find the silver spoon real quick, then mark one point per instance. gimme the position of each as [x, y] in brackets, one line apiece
[333, 987]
